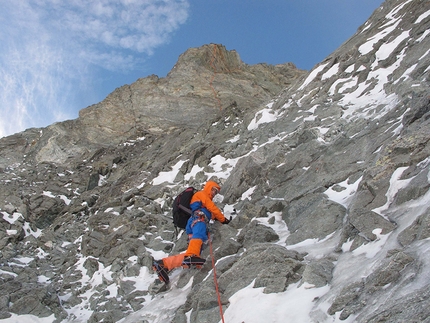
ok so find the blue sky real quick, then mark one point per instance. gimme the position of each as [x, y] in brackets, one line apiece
[58, 57]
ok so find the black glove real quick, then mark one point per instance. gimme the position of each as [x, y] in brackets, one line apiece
[226, 221]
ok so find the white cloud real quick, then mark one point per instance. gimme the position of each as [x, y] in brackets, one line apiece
[51, 50]
[109, 25]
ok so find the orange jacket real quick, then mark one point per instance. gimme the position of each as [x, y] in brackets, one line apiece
[205, 198]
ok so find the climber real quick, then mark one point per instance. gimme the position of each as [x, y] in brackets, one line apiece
[203, 210]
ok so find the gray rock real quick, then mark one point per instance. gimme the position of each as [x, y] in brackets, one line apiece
[418, 230]
[91, 265]
[254, 233]
[319, 140]
[367, 221]
[356, 296]
[136, 300]
[411, 308]
[273, 266]
[93, 181]
[319, 272]
[4, 302]
[4, 315]
[36, 301]
[244, 177]
[44, 209]
[313, 216]
[418, 186]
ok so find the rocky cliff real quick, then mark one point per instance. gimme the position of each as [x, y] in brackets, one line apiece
[326, 175]
[204, 82]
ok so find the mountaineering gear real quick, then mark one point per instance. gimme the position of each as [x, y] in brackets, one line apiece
[193, 261]
[215, 279]
[173, 262]
[181, 210]
[198, 216]
[202, 200]
[226, 221]
[197, 228]
[161, 271]
[194, 247]
[203, 210]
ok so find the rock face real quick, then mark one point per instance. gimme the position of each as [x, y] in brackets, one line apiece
[325, 173]
[204, 82]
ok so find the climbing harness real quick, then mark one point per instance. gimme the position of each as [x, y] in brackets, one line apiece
[199, 216]
[215, 279]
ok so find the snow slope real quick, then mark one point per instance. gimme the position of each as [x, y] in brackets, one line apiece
[360, 98]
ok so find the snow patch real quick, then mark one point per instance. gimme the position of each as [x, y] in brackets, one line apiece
[395, 185]
[342, 193]
[265, 115]
[331, 72]
[170, 176]
[293, 305]
[312, 76]
[11, 218]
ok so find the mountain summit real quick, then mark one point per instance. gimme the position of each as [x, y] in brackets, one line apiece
[326, 175]
[204, 82]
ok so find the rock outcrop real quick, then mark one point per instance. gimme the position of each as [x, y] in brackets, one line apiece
[204, 83]
[325, 173]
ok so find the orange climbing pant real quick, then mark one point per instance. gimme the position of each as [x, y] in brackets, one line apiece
[194, 248]
[175, 261]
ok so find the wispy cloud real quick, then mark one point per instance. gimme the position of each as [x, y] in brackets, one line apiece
[52, 48]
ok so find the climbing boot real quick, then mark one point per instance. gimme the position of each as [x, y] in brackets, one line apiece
[193, 262]
[161, 271]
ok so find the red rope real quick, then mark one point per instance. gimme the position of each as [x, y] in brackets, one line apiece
[215, 280]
